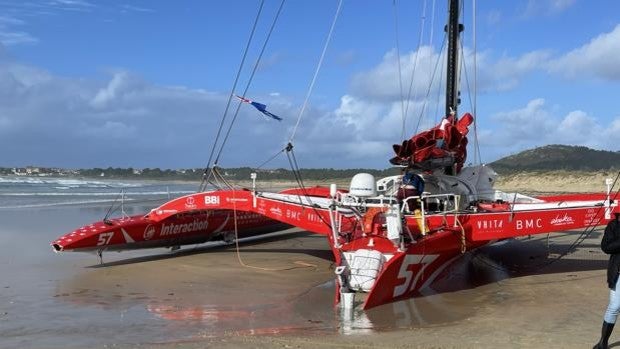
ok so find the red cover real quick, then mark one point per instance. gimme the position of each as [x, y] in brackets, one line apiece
[425, 145]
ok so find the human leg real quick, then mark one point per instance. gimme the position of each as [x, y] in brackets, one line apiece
[611, 314]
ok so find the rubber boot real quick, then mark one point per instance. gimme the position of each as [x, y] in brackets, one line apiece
[605, 333]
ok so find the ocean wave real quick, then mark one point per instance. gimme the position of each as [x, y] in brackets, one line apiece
[61, 203]
[172, 193]
[72, 183]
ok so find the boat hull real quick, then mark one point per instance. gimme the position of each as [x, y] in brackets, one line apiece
[140, 232]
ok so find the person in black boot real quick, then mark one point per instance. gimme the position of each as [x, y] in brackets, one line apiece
[610, 244]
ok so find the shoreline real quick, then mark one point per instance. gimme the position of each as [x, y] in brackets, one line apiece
[523, 182]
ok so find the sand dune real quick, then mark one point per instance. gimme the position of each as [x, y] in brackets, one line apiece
[556, 181]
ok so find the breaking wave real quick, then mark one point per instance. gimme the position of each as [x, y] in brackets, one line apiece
[67, 183]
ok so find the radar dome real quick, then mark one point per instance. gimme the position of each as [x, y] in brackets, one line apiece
[363, 185]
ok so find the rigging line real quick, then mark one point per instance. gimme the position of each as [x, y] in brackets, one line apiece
[430, 45]
[247, 87]
[428, 91]
[316, 72]
[471, 104]
[400, 75]
[270, 159]
[230, 96]
[297, 173]
[439, 89]
[107, 215]
[415, 61]
[430, 40]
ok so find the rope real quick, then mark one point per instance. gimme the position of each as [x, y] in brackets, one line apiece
[230, 96]
[430, 39]
[471, 104]
[463, 240]
[300, 264]
[415, 61]
[428, 91]
[316, 72]
[400, 75]
[297, 173]
[270, 159]
[247, 87]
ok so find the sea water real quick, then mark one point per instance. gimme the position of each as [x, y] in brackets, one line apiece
[30, 192]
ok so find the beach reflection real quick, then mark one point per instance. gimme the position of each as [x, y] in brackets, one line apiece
[235, 302]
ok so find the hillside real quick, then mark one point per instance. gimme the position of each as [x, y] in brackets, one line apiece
[558, 158]
[557, 168]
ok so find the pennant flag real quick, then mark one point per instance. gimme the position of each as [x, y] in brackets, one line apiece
[260, 107]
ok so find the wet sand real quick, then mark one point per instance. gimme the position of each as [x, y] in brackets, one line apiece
[498, 296]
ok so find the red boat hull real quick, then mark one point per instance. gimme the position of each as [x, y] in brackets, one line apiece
[138, 232]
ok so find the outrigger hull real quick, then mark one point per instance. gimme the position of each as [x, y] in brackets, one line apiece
[140, 232]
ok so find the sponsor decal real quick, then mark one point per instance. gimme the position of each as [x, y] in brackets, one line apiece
[293, 215]
[175, 229]
[190, 202]
[490, 224]
[276, 211]
[262, 207]
[161, 212]
[212, 200]
[528, 223]
[149, 232]
[564, 220]
[236, 200]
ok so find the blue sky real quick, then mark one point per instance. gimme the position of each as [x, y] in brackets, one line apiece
[88, 83]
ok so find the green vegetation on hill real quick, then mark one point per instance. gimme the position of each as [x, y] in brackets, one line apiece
[558, 157]
[543, 159]
[239, 173]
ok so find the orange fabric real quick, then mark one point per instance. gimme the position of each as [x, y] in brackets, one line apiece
[369, 218]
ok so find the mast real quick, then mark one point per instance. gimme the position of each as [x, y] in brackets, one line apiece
[453, 28]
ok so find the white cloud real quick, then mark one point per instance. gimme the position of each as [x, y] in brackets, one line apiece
[9, 36]
[71, 3]
[523, 125]
[381, 83]
[547, 7]
[598, 58]
[119, 84]
[50, 120]
[359, 133]
[506, 72]
[536, 125]
[133, 8]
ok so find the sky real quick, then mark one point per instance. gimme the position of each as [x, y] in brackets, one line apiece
[139, 84]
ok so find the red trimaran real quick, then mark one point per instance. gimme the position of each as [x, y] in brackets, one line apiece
[388, 246]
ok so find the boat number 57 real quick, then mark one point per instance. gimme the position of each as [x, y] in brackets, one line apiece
[410, 270]
[104, 238]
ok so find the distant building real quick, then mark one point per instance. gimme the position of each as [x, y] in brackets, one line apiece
[32, 170]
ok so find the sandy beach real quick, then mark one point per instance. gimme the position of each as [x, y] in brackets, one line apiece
[278, 292]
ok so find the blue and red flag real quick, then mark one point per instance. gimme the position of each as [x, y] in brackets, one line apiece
[260, 107]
